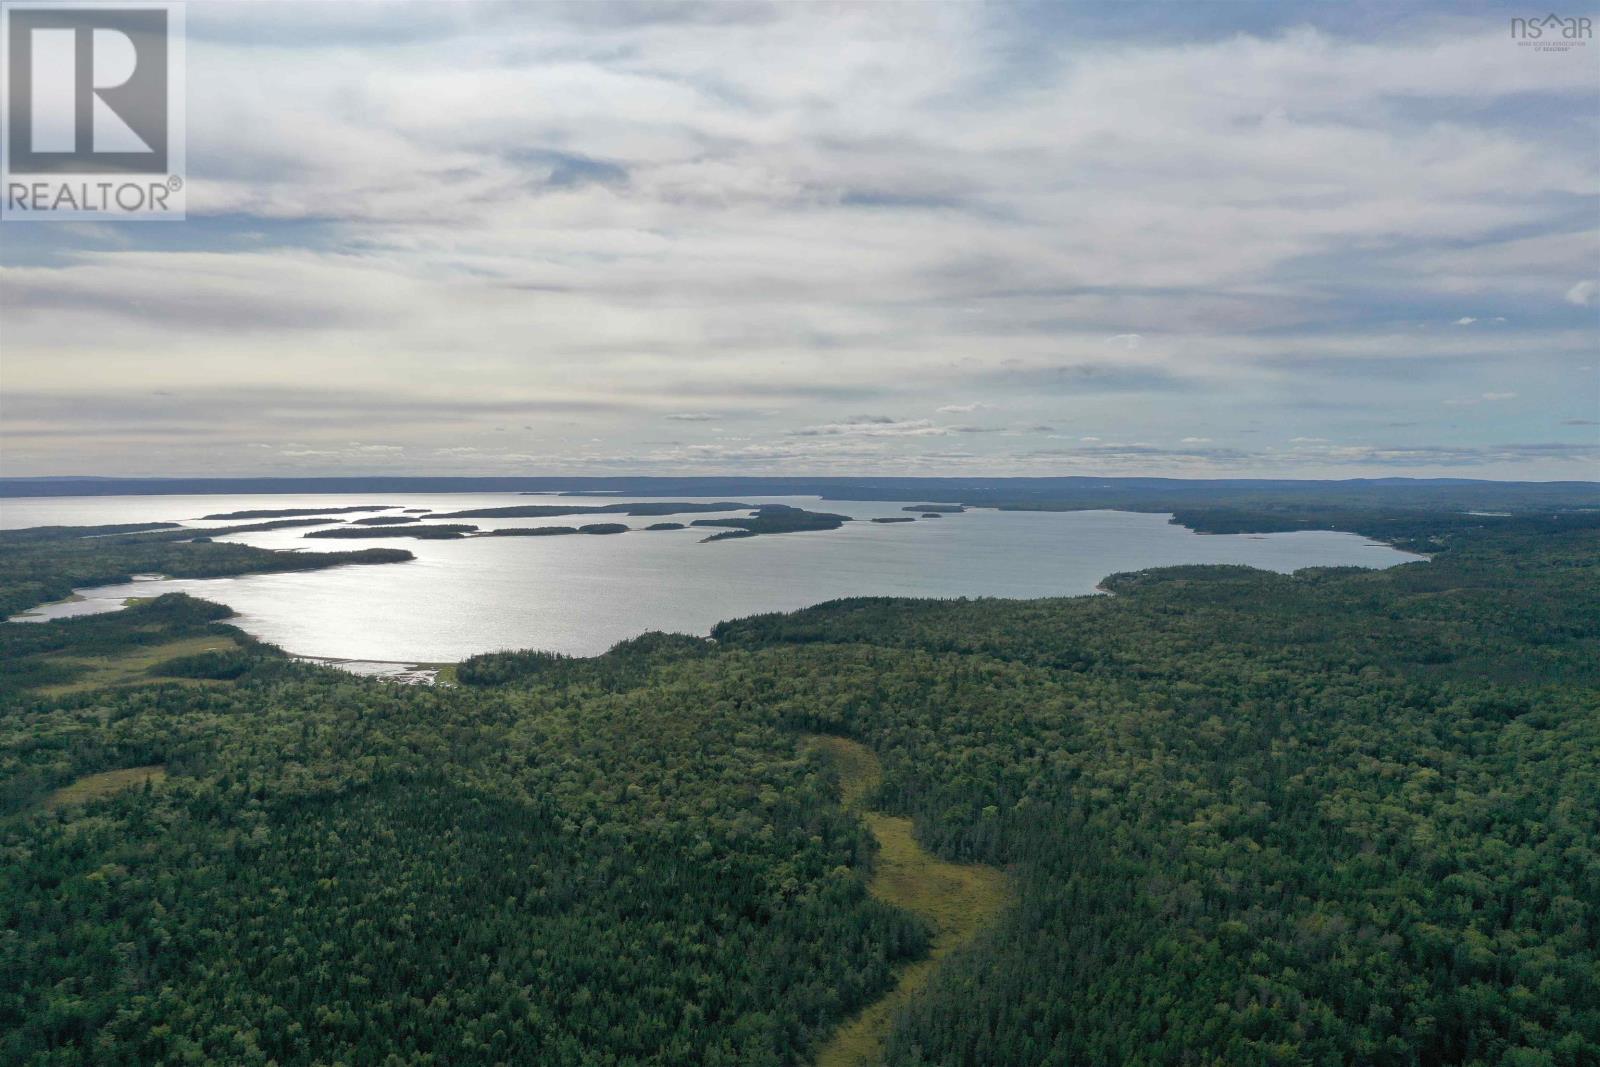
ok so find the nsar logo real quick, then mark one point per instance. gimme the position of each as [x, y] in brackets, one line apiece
[1553, 33]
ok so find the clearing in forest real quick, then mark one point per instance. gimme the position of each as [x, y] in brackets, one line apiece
[132, 665]
[95, 786]
[957, 899]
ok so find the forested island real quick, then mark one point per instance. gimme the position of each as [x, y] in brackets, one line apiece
[258, 527]
[443, 531]
[289, 513]
[773, 519]
[1343, 816]
[522, 511]
[530, 531]
[601, 528]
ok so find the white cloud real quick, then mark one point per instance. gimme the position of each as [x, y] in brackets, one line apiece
[614, 221]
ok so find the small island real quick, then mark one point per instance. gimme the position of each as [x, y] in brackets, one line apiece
[773, 519]
[529, 511]
[557, 531]
[727, 535]
[385, 520]
[666, 526]
[897, 518]
[284, 513]
[271, 524]
[442, 532]
[530, 531]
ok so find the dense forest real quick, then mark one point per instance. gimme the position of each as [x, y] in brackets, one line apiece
[1339, 817]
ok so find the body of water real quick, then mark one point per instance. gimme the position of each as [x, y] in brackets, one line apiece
[581, 594]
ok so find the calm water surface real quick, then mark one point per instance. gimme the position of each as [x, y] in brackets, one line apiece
[582, 594]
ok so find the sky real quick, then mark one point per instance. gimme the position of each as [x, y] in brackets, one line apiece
[1186, 239]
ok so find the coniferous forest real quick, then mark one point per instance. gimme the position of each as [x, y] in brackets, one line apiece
[1338, 817]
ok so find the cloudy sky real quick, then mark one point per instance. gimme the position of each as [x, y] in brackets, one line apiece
[1199, 239]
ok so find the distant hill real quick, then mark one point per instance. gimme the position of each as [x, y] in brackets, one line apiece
[1410, 492]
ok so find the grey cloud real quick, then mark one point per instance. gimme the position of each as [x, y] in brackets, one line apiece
[1140, 451]
[566, 170]
[40, 291]
[102, 430]
[1448, 455]
[889, 199]
[230, 410]
[1076, 378]
[873, 426]
[1396, 367]
[748, 389]
[1400, 456]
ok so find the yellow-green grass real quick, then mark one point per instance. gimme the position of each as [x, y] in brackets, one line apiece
[133, 665]
[957, 899]
[856, 764]
[94, 786]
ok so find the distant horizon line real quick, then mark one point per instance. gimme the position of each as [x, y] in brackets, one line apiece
[111, 479]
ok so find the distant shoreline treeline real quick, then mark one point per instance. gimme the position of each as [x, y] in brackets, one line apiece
[1226, 505]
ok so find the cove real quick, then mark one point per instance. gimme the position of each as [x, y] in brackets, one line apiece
[581, 595]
